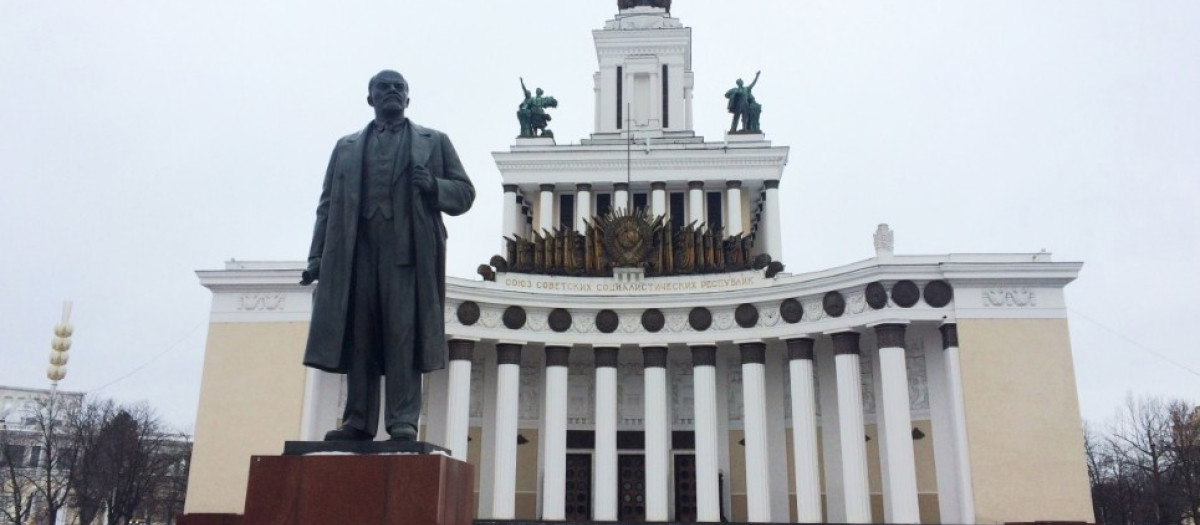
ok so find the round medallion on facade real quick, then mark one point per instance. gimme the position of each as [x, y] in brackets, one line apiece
[938, 293]
[746, 315]
[607, 321]
[559, 320]
[653, 320]
[906, 294]
[876, 295]
[514, 317]
[834, 304]
[791, 311]
[700, 318]
[467, 313]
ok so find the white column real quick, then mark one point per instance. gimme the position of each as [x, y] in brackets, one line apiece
[733, 207]
[554, 442]
[504, 484]
[898, 466]
[704, 377]
[696, 202]
[320, 413]
[604, 469]
[546, 220]
[583, 206]
[804, 431]
[658, 198]
[754, 416]
[512, 213]
[458, 398]
[851, 429]
[959, 414]
[774, 241]
[658, 439]
[621, 196]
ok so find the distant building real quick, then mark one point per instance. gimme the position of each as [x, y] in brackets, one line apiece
[637, 352]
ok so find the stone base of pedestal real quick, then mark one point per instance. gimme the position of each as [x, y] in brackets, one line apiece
[376, 489]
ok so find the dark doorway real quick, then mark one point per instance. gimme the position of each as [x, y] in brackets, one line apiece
[685, 488]
[579, 487]
[631, 487]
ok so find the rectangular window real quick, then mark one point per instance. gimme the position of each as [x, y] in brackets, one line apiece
[639, 201]
[666, 96]
[603, 204]
[620, 97]
[566, 210]
[35, 457]
[715, 211]
[676, 210]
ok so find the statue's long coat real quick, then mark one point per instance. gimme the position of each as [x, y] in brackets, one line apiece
[332, 252]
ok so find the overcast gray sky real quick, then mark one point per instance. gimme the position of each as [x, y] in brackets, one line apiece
[141, 141]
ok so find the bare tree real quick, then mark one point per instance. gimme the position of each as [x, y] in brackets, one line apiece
[1184, 450]
[51, 418]
[131, 445]
[16, 499]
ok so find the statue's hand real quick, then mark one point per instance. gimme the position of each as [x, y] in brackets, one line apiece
[423, 180]
[307, 277]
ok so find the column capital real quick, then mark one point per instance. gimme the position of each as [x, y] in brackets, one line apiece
[696, 185]
[800, 348]
[658, 185]
[771, 184]
[583, 186]
[606, 356]
[733, 184]
[704, 355]
[557, 355]
[845, 343]
[655, 356]
[508, 353]
[620, 186]
[546, 187]
[510, 188]
[753, 353]
[949, 335]
[461, 349]
[890, 335]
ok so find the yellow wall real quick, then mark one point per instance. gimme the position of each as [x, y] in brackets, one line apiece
[251, 397]
[1023, 425]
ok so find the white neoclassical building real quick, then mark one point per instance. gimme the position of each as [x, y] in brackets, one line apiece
[698, 382]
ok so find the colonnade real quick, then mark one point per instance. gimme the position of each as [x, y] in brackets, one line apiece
[892, 417]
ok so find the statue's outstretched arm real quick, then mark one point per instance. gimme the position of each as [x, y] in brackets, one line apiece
[523, 88]
[756, 74]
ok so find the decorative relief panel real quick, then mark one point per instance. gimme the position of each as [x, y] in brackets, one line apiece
[683, 392]
[769, 316]
[581, 388]
[734, 397]
[856, 303]
[262, 302]
[529, 407]
[918, 381]
[630, 390]
[677, 322]
[723, 320]
[1009, 297]
[868, 382]
[814, 310]
[477, 393]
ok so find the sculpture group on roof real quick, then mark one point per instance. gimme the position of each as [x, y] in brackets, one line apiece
[532, 113]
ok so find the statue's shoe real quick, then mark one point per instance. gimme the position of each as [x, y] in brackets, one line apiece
[348, 434]
[405, 434]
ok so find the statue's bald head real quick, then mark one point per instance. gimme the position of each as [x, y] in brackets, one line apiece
[386, 74]
[387, 92]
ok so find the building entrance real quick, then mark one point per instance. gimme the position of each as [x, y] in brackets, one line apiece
[631, 487]
[579, 487]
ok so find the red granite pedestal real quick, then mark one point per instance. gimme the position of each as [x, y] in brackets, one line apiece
[354, 489]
